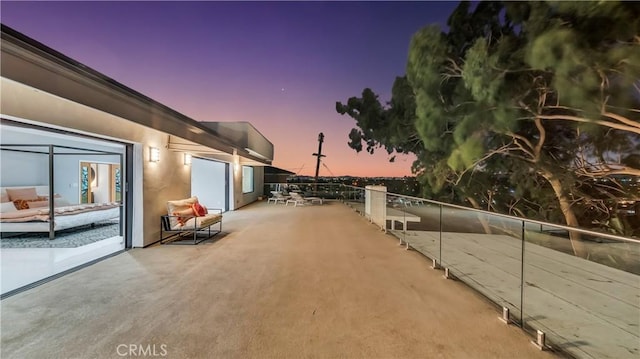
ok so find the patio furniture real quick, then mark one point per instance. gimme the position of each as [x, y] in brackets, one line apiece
[297, 199]
[395, 215]
[188, 219]
[278, 197]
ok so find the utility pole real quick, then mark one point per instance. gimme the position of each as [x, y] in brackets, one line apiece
[319, 155]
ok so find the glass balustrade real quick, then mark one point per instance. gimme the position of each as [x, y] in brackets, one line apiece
[583, 290]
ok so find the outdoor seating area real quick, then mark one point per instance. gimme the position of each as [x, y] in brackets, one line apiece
[188, 220]
[293, 198]
[278, 197]
[298, 200]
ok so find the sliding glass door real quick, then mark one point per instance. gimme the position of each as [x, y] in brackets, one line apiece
[70, 191]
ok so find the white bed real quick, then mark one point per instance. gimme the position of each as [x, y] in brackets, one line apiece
[88, 214]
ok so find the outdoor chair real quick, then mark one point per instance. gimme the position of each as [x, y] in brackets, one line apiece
[188, 219]
[278, 197]
[297, 199]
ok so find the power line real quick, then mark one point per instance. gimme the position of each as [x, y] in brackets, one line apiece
[325, 166]
[298, 170]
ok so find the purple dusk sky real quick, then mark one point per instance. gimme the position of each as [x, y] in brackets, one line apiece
[279, 65]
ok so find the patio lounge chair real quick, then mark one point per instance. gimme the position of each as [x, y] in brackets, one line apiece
[277, 196]
[188, 219]
[297, 199]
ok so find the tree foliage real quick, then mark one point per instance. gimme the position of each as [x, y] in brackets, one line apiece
[542, 95]
[389, 127]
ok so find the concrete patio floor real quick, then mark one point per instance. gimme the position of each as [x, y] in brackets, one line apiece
[280, 282]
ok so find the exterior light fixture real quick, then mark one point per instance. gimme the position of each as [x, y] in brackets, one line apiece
[187, 159]
[236, 162]
[254, 153]
[154, 154]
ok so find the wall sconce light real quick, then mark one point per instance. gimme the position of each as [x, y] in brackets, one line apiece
[187, 159]
[154, 154]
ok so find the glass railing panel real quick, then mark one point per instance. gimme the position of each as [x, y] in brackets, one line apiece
[355, 198]
[395, 221]
[583, 291]
[427, 229]
[419, 223]
[327, 191]
[323, 190]
[347, 195]
[484, 251]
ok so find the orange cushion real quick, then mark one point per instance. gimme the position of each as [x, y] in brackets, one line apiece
[26, 204]
[21, 204]
[198, 209]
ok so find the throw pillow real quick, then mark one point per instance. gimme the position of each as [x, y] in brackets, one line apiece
[183, 215]
[175, 205]
[199, 210]
[21, 204]
[179, 205]
[28, 194]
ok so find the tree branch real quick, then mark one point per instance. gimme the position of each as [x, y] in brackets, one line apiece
[500, 150]
[622, 119]
[610, 124]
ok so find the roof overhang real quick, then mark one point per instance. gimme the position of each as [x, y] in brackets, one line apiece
[243, 134]
[197, 150]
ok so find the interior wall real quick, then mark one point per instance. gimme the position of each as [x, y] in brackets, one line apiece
[15, 165]
[66, 178]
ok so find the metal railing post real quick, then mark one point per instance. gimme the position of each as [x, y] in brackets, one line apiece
[52, 222]
[522, 278]
[440, 235]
